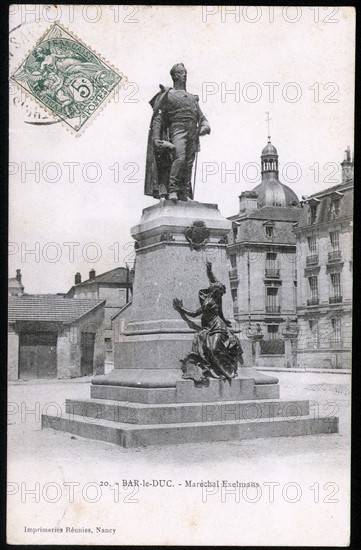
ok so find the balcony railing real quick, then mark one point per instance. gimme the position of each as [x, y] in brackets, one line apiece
[335, 299]
[313, 302]
[334, 256]
[312, 260]
[272, 273]
[273, 309]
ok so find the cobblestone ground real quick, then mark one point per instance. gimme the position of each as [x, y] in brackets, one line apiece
[302, 496]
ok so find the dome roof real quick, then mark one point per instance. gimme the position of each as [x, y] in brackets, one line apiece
[272, 192]
[269, 149]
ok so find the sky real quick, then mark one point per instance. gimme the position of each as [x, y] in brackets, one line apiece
[73, 199]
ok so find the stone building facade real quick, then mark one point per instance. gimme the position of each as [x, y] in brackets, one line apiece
[324, 267]
[291, 270]
[262, 256]
[115, 287]
[54, 337]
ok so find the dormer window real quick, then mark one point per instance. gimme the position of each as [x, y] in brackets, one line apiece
[334, 208]
[269, 231]
[312, 216]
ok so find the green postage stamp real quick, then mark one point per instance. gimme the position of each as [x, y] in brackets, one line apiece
[66, 78]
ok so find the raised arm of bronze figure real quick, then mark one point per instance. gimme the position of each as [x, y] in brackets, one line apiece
[184, 313]
[210, 274]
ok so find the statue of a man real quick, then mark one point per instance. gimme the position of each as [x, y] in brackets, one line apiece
[176, 125]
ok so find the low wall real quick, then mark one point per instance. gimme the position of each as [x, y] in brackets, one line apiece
[328, 359]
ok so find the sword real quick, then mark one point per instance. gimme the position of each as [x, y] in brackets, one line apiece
[195, 168]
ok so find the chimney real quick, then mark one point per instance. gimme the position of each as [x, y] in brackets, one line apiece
[347, 166]
[77, 279]
[247, 202]
[18, 275]
[92, 274]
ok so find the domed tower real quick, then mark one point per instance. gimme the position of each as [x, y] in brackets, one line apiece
[271, 192]
[269, 161]
[264, 291]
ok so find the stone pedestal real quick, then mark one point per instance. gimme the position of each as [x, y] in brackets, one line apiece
[173, 243]
[166, 267]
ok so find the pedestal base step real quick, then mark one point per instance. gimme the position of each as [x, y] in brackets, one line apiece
[185, 391]
[95, 410]
[138, 435]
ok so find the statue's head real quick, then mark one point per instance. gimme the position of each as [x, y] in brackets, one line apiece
[218, 289]
[179, 73]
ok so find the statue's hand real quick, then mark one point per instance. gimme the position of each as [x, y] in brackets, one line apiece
[204, 131]
[204, 128]
[164, 145]
[177, 304]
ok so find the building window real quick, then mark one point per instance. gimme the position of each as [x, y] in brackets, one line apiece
[313, 282]
[234, 294]
[336, 284]
[232, 259]
[334, 209]
[336, 330]
[235, 231]
[269, 231]
[335, 240]
[335, 254]
[272, 332]
[312, 214]
[272, 300]
[314, 333]
[271, 265]
[312, 244]
[271, 258]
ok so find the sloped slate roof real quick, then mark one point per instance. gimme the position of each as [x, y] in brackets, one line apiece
[117, 275]
[338, 187]
[323, 213]
[48, 307]
[276, 213]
